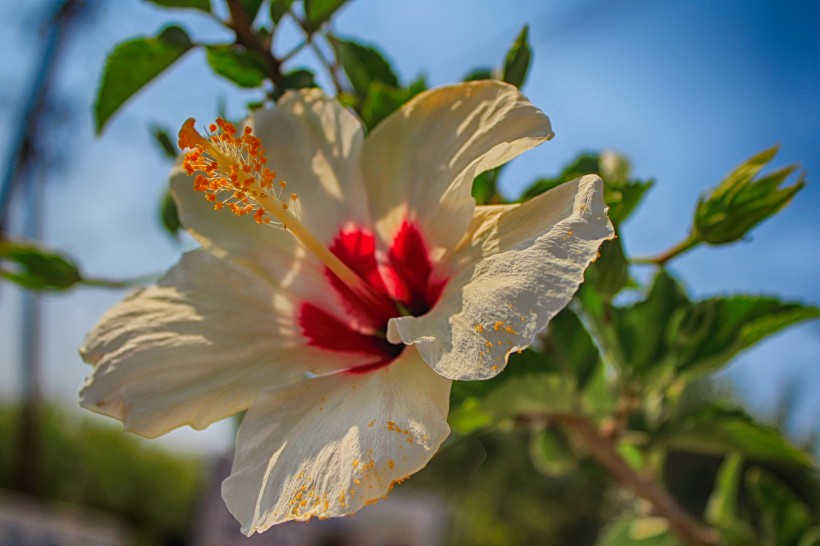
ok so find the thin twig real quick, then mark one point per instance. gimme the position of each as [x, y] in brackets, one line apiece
[299, 47]
[240, 24]
[689, 529]
[331, 68]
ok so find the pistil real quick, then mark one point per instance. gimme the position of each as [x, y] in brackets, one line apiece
[235, 167]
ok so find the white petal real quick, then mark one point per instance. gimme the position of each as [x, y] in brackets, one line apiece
[519, 266]
[315, 145]
[327, 446]
[194, 349]
[421, 161]
[224, 234]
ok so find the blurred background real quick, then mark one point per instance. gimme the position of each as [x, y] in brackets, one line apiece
[686, 90]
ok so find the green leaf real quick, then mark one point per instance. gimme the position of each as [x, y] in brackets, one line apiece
[485, 187]
[638, 531]
[600, 398]
[317, 12]
[475, 74]
[642, 328]
[530, 378]
[632, 454]
[202, 5]
[469, 417]
[585, 163]
[36, 268]
[278, 9]
[524, 364]
[538, 395]
[722, 505]
[551, 453]
[169, 214]
[383, 99]
[622, 200]
[621, 193]
[722, 510]
[716, 430]
[609, 274]
[244, 67]
[811, 537]
[784, 518]
[713, 331]
[132, 65]
[667, 333]
[251, 8]
[164, 142]
[363, 65]
[517, 61]
[569, 345]
[741, 201]
[299, 78]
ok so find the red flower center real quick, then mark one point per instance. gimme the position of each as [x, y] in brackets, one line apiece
[402, 283]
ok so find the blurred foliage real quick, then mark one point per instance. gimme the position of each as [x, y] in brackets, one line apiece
[36, 268]
[499, 499]
[95, 465]
[618, 386]
[243, 67]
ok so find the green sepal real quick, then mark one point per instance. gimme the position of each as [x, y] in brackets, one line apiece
[743, 200]
[517, 60]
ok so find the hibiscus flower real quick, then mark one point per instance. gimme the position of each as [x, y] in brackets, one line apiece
[340, 332]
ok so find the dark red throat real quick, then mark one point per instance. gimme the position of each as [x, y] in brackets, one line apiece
[404, 286]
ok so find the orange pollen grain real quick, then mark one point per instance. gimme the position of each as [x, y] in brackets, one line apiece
[226, 160]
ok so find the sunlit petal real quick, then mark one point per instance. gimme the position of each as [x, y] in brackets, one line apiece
[519, 266]
[327, 446]
[421, 161]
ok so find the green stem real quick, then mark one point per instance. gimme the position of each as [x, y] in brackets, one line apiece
[118, 283]
[660, 260]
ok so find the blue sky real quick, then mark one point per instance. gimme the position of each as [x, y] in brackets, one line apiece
[686, 89]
